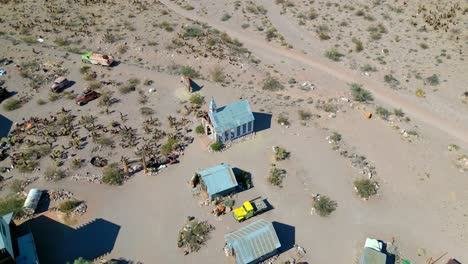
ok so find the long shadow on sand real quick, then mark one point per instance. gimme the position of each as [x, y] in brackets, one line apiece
[262, 121]
[5, 126]
[286, 235]
[59, 243]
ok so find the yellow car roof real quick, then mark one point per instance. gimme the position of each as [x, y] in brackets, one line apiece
[248, 206]
[239, 212]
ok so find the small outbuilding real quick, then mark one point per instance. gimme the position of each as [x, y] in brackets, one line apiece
[252, 243]
[6, 243]
[218, 181]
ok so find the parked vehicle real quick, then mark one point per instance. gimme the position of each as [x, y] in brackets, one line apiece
[59, 84]
[30, 204]
[86, 96]
[3, 94]
[249, 209]
[97, 59]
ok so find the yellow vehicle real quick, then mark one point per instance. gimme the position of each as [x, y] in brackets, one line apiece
[249, 209]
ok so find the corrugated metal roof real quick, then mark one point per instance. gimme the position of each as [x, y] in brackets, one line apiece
[5, 237]
[231, 116]
[371, 256]
[27, 250]
[218, 178]
[253, 241]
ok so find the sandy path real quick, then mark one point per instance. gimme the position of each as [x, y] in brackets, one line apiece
[264, 49]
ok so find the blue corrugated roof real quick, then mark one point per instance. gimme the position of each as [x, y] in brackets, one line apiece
[231, 116]
[253, 241]
[218, 178]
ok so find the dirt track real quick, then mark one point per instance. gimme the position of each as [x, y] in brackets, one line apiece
[267, 51]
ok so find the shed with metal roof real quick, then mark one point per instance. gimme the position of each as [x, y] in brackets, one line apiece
[252, 243]
[218, 180]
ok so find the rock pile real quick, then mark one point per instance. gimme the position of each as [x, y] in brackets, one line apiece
[58, 195]
[80, 209]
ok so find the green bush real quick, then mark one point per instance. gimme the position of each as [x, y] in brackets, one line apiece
[68, 206]
[276, 176]
[197, 99]
[391, 80]
[283, 120]
[272, 84]
[217, 146]
[146, 111]
[81, 260]
[193, 31]
[11, 203]
[217, 75]
[304, 115]
[169, 146]
[53, 97]
[225, 17]
[324, 205]
[398, 112]
[194, 235]
[358, 44]
[189, 71]
[55, 174]
[365, 187]
[359, 94]
[382, 112]
[15, 186]
[11, 104]
[61, 42]
[41, 102]
[432, 80]
[199, 129]
[335, 137]
[281, 154]
[112, 174]
[333, 54]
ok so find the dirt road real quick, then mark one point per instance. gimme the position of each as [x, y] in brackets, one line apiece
[268, 51]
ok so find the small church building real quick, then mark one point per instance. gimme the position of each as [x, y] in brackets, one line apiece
[228, 122]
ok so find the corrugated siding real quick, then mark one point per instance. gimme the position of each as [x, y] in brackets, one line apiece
[253, 241]
[231, 116]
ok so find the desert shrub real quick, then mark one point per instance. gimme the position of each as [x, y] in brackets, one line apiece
[228, 202]
[335, 137]
[432, 80]
[122, 48]
[272, 84]
[398, 112]
[188, 7]
[11, 203]
[283, 120]
[84, 69]
[423, 46]
[453, 147]
[382, 112]
[281, 153]
[194, 235]
[106, 98]
[200, 129]
[420, 93]
[15, 186]
[104, 141]
[304, 115]
[29, 39]
[276, 176]
[146, 111]
[368, 68]
[81, 260]
[391, 80]
[61, 42]
[359, 94]
[55, 174]
[166, 26]
[110, 38]
[333, 54]
[169, 146]
[365, 187]
[53, 97]
[76, 164]
[112, 174]
[193, 31]
[41, 102]
[217, 146]
[197, 99]
[11, 104]
[324, 205]
[358, 45]
[217, 74]
[225, 17]
[189, 71]
[68, 205]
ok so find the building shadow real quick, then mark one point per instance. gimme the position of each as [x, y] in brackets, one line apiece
[5, 126]
[243, 178]
[195, 86]
[59, 243]
[262, 121]
[286, 235]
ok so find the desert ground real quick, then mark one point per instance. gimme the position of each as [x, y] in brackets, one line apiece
[272, 53]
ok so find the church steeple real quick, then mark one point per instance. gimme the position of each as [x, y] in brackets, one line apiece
[212, 105]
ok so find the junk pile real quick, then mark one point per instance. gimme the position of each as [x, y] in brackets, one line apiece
[80, 209]
[58, 195]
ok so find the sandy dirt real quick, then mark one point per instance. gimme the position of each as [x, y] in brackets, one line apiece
[421, 202]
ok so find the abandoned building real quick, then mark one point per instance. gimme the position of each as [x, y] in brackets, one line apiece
[229, 122]
[252, 243]
[217, 181]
